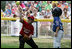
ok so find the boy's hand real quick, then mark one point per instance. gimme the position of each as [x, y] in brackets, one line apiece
[26, 37]
[30, 36]
[55, 34]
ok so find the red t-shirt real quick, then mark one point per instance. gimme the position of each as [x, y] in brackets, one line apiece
[27, 29]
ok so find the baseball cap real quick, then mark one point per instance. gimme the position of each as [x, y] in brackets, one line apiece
[32, 17]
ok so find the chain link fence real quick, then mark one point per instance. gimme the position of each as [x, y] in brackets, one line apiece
[41, 29]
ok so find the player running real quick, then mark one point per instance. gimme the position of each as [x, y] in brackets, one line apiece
[57, 27]
[26, 32]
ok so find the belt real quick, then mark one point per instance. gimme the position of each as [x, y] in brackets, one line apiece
[61, 29]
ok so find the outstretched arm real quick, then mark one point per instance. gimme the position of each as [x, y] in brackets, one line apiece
[21, 12]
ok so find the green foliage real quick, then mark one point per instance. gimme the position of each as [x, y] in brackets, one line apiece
[3, 4]
[68, 2]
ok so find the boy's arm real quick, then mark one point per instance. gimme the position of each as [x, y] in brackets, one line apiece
[57, 31]
[30, 36]
[21, 19]
[21, 16]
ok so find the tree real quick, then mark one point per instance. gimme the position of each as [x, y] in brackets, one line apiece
[3, 4]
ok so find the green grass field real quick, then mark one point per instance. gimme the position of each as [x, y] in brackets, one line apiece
[13, 42]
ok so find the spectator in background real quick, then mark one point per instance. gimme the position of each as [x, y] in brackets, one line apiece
[66, 5]
[14, 8]
[7, 10]
[40, 15]
[69, 11]
[2, 13]
[64, 1]
[23, 5]
[31, 8]
[55, 2]
[49, 15]
[35, 15]
[65, 14]
[44, 3]
[9, 5]
[39, 7]
[13, 3]
[48, 6]
[35, 4]
[25, 2]
[6, 7]
[60, 4]
[54, 5]
[28, 4]
[1, 10]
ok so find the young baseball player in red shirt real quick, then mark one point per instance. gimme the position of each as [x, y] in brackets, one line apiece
[26, 32]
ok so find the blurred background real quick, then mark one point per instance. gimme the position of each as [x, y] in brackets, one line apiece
[42, 29]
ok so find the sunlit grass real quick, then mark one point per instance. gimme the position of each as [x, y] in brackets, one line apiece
[13, 42]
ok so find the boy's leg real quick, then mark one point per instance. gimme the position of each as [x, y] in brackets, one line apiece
[21, 42]
[32, 43]
[60, 35]
[55, 42]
